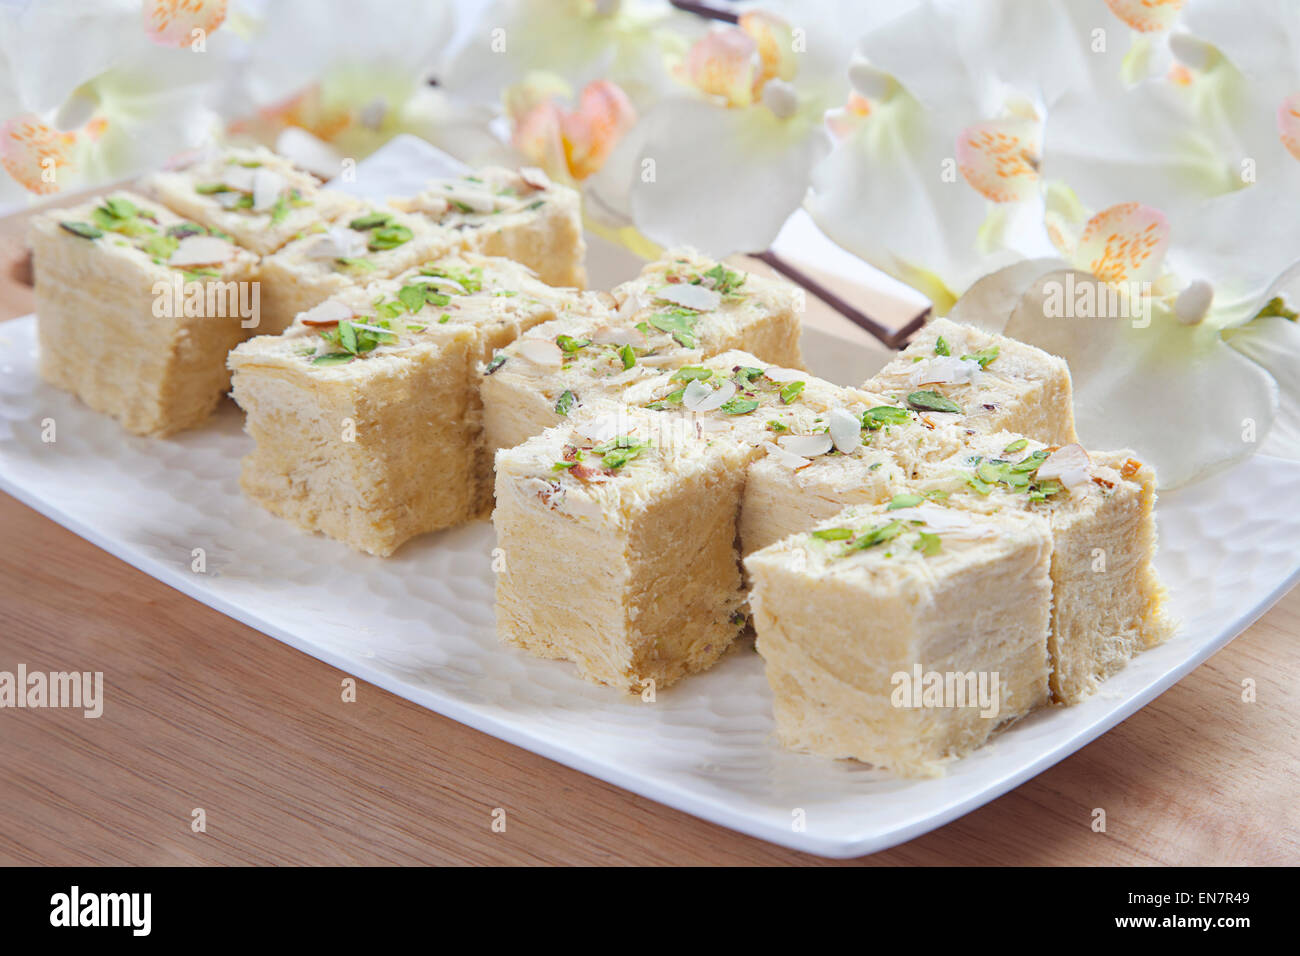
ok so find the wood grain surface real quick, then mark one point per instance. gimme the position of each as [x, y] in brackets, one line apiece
[203, 712]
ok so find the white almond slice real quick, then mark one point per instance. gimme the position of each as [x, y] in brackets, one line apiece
[228, 200]
[541, 352]
[806, 446]
[239, 177]
[378, 329]
[327, 313]
[788, 459]
[579, 504]
[689, 296]
[947, 521]
[336, 243]
[633, 304]
[845, 430]
[778, 374]
[667, 360]
[535, 177]
[201, 251]
[944, 370]
[618, 335]
[267, 188]
[475, 199]
[698, 397]
[1069, 464]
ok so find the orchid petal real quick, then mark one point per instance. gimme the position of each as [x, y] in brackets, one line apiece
[1125, 243]
[1274, 343]
[603, 116]
[774, 40]
[723, 63]
[1147, 16]
[32, 153]
[1179, 395]
[173, 22]
[703, 157]
[1288, 124]
[999, 159]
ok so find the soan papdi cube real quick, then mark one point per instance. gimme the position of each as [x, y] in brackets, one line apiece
[823, 446]
[903, 637]
[618, 534]
[1100, 507]
[681, 309]
[328, 258]
[495, 299]
[253, 195]
[137, 309]
[981, 381]
[519, 214]
[364, 428]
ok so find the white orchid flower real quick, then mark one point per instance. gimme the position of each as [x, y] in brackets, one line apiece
[724, 162]
[99, 89]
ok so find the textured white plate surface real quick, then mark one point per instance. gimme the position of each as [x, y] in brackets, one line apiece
[419, 624]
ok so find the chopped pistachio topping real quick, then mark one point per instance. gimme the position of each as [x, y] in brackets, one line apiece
[984, 357]
[1015, 446]
[618, 451]
[83, 229]
[882, 415]
[628, 355]
[389, 237]
[566, 402]
[497, 361]
[724, 280]
[941, 347]
[931, 401]
[790, 391]
[679, 323]
[904, 501]
[928, 544]
[738, 406]
[371, 220]
[569, 344]
[833, 534]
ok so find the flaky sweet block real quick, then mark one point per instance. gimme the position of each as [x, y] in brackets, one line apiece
[1101, 510]
[618, 534]
[981, 381]
[519, 214]
[259, 198]
[328, 258]
[364, 429]
[137, 309]
[823, 446]
[680, 310]
[904, 637]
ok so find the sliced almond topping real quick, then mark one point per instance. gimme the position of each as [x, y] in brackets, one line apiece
[329, 312]
[943, 370]
[267, 187]
[1069, 464]
[788, 459]
[698, 397]
[541, 352]
[778, 374]
[689, 296]
[200, 251]
[845, 430]
[806, 446]
[535, 177]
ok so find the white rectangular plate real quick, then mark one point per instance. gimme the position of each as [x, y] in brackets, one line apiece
[420, 624]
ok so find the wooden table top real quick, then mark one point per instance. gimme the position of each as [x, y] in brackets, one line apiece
[208, 713]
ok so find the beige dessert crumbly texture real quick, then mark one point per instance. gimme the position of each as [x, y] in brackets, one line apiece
[258, 198]
[995, 382]
[617, 531]
[850, 616]
[518, 214]
[112, 329]
[1108, 596]
[370, 449]
[362, 246]
[601, 346]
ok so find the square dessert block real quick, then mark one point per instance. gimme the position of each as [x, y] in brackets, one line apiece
[260, 199]
[495, 299]
[138, 308]
[680, 310]
[1100, 507]
[618, 534]
[328, 258]
[714, 307]
[519, 214]
[904, 637]
[364, 430]
[825, 446]
[982, 381]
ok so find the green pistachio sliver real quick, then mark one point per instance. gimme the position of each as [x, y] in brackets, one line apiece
[209, 189]
[880, 535]
[1016, 446]
[931, 401]
[679, 324]
[535, 204]
[1030, 462]
[183, 230]
[121, 208]
[690, 373]
[569, 344]
[628, 355]
[790, 391]
[333, 358]
[668, 401]
[444, 318]
[358, 265]
[725, 281]
[389, 237]
[738, 406]
[496, 363]
[833, 534]
[928, 544]
[882, 415]
[83, 229]
[160, 247]
[904, 501]
[566, 402]
[348, 336]
[984, 357]
[776, 426]
[413, 297]
[748, 373]
[941, 347]
[370, 221]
